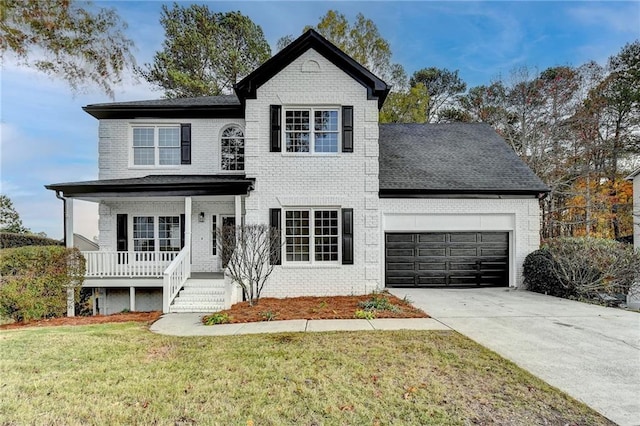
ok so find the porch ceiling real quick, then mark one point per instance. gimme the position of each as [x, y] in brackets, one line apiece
[157, 186]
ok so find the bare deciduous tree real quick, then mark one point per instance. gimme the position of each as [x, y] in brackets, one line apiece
[247, 253]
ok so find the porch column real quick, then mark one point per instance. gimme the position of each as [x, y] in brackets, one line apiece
[187, 230]
[132, 299]
[68, 227]
[187, 222]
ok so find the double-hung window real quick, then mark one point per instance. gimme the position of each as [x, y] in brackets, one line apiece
[311, 130]
[165, 237]
[312, 235]
[156, 145]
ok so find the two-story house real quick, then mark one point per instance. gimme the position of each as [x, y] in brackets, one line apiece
[359, 205]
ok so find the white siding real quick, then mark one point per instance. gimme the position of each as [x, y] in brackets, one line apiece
[115, 147]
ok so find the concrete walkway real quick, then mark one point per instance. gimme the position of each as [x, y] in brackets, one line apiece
[191, 325]
[590, 352]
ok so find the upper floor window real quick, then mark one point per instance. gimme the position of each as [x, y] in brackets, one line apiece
[156, 145]
[232, 149]
[311, 130]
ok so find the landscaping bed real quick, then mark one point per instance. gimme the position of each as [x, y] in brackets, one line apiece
[147, 317]
[377, 305]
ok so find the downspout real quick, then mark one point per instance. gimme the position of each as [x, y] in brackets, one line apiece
[64, 216]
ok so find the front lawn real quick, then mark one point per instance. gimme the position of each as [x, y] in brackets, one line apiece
[123, 374]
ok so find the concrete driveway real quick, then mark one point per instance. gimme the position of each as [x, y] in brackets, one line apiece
[590, 352]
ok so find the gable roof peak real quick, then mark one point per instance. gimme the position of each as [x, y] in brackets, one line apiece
[311, 39]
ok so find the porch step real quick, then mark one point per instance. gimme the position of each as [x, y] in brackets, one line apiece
[200, 295]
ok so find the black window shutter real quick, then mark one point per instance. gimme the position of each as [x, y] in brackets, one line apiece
[276, 119]
[276, 252]
[347, 129]
[182, 224]
[121, 232]
[185, 144]
[347, 236]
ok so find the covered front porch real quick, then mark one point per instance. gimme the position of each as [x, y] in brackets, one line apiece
[158, 232]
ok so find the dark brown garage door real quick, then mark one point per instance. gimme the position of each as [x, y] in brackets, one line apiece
[457, 259]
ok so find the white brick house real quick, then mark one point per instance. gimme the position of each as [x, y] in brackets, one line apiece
[359, 205]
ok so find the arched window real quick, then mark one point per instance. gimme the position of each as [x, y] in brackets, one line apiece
[232, 148]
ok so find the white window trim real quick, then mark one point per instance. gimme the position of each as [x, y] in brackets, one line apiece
[312, 262]
[312, 110]
[156, 147]
[156, 232]
[219, 144]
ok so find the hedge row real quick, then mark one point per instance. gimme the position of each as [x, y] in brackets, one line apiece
[582, 268]
[11, 240]
[34, 281]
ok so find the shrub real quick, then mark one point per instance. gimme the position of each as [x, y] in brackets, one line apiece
[378, 302]
[34, 281]
[582, 267]
[11, 240]
[364, 314]
[217, 318]
[539, 275]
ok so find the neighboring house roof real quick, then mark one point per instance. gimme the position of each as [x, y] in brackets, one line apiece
[160, 185]
[223, 106]
[82, 243]
[376, 88]
[633, 174]
[457, 158]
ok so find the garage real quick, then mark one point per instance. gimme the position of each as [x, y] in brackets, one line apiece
[443, 259]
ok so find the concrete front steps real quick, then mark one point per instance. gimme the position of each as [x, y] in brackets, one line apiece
[200, 295]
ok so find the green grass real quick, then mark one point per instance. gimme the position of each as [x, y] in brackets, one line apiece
[122, 374]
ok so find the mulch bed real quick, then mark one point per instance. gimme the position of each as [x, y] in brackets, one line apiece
[267, 309]
[145, 317]
[330, 307]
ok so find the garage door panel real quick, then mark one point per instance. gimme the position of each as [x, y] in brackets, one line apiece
[432, 252]
[463, 238]
[439, 266]
[463, 252]
[431, 281]
[447, 259]
[432, 238]
[400, 238]
[494, 237]
[400, 252]
[400, 266]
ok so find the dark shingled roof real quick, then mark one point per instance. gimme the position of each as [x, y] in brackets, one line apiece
[161, 185]
[176, 102]
[227, 106]
[458, 158]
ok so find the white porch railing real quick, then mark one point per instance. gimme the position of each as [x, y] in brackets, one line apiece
[107, 264]
[174, 277]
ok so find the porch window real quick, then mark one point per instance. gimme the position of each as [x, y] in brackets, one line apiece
[143, 233]
[169, 233]
[151, 233]
[214, 236]
[312, 235]
[232, 149]
[156, 145]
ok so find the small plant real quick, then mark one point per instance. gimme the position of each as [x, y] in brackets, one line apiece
[125, 311]
[217, 318]
[363, 314]
[268, 315]
[323, 304]
[378, 302]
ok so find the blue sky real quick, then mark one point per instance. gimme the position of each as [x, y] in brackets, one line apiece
[47, 138]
